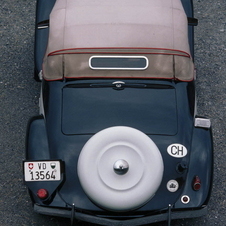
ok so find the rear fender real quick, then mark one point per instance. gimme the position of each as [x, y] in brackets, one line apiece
[37, 148]
[36, 141]
[201, 165]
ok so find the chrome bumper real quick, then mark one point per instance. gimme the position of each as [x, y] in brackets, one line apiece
[191, 213]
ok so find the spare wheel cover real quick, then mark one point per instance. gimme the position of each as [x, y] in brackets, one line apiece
[120, 168]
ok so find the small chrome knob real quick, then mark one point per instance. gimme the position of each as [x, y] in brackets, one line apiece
[121, 167]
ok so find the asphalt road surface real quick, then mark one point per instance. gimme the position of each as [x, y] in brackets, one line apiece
[19, 101]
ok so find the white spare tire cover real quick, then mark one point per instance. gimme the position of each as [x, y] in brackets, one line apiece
[120, 168]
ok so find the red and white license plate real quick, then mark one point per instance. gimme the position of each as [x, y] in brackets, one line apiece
[42, 171]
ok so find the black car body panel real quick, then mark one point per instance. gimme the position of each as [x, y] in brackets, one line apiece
[73, 110]
[42, 149]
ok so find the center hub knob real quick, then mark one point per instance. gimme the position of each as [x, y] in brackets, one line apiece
[121, 167]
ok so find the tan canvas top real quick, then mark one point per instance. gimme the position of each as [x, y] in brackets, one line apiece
[80, 29]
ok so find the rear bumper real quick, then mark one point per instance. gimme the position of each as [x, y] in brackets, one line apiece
[132, 222]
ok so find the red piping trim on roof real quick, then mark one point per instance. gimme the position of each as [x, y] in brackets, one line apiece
[57, 52]
[152, 78]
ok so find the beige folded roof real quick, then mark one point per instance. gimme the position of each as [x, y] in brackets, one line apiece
[80, 29]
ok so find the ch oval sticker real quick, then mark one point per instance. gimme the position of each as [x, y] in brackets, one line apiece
[177, 150]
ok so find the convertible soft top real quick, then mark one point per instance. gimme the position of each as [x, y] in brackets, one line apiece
[131, 30]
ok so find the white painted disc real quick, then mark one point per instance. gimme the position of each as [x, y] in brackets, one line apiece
[109, 148]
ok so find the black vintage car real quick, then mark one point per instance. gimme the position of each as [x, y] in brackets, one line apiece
[118, 140]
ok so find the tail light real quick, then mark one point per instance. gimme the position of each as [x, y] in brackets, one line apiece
[196, 183]
[42, 193]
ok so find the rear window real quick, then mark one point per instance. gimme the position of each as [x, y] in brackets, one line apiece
[118, 62]
[89, 110]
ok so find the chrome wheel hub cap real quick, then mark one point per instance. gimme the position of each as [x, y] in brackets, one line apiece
[121, 167]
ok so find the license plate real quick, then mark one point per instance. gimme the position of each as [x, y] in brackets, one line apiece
[42, 171]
